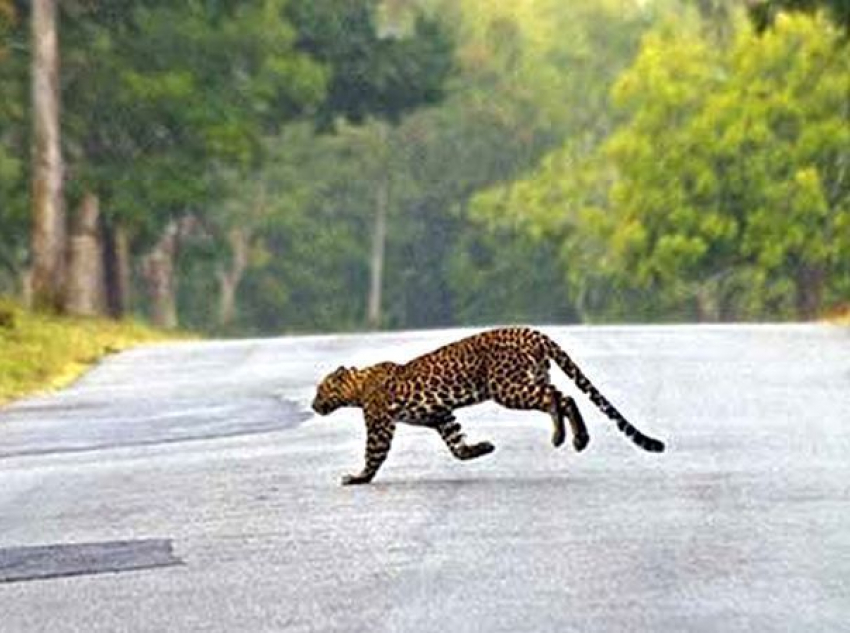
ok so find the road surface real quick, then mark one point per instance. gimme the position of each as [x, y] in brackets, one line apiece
[187, 487]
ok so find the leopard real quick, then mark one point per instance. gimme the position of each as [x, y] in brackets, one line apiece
[508, 365]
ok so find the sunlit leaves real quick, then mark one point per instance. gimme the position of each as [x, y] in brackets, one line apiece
[742, 163]
[724, 193]
[764, 12]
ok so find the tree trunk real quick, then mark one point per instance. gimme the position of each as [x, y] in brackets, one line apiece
[117, 270]
[379, 237]
[85, 292]
[48, 217]
[26, 287]
[230, 277]
[122, 269]
[706, 308]
[379, 240]
[158, 271]
[809, 282]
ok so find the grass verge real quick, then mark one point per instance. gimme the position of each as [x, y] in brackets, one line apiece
[839, 315]
[40, 352]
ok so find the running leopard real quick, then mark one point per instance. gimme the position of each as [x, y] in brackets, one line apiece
[507, 365]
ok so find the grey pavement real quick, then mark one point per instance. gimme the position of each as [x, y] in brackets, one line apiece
[187, 487]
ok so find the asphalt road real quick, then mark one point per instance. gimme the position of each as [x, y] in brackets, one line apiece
[188, 488]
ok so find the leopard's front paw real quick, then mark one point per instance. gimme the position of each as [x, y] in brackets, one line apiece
[349, 480]
[478, 450]
[485, 448]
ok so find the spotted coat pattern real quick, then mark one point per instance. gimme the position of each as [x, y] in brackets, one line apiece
[507, 365]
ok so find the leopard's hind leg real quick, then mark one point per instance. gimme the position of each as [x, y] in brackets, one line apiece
[569, 407]
[449, 429]
[526, 387]
[557, 405]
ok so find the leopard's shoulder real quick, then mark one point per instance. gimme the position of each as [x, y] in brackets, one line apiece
[378, 380]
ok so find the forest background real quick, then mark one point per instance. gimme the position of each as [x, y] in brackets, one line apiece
[247, 167]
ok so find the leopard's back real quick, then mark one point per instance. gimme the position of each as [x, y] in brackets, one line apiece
[464, 372]
[477, 353]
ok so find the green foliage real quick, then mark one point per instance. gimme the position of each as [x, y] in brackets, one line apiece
[764, 12]
[306, 212]
[564, 82]
[372, 74]
[13, 169]
[737, 180]
[723, 193]
[591, 160]
[162, 93]
[503, 277]
[312, 190]
[520, 88]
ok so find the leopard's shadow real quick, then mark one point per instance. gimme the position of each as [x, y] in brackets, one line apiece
[501, 482]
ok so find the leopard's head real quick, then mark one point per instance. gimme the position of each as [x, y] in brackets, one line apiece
[336, 390]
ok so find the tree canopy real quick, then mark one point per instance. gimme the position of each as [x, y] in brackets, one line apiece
[723, 193]
[528, 161]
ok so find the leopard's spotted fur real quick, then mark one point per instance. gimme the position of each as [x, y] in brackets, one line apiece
[508, 365]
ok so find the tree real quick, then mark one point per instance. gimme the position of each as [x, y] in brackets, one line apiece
[379, 75]
[511, 99]
[15, 214]
[795, 79]
[307, 213]
[276, 198]
[748, 191]
[371, 78]
[193, 89]
[723, 193]
[530, 74]
[560, 88]
[48, 228]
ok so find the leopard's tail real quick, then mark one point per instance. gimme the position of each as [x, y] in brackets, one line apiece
[563, 360]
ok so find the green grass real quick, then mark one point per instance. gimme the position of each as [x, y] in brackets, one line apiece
[39, 352]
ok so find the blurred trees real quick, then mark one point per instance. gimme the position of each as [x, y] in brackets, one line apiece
[165, 101]
[723, 194]
[570, 78]
[14, 197]
[177, 93]
[308, 165]
[382, 75]
[510, 100]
